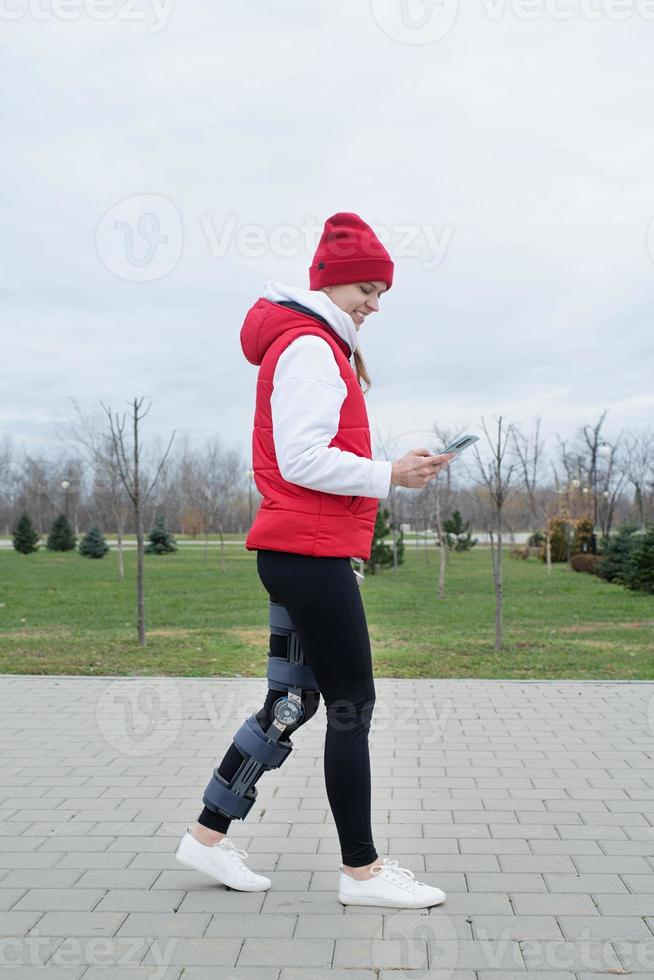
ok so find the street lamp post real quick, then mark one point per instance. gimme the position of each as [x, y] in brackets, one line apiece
[603, 450]
[65, 486]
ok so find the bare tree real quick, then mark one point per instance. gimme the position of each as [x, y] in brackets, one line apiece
[35, 492]
[593, 440]
[386, 449]
[130, 474]
[610, 479]
[442, 493]
[639, 468]
[528, 450]
[496, 477]
[212, 481]
[9, 481]
[101, 453]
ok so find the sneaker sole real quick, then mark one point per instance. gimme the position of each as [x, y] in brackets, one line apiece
[212, 874]
[387, 903]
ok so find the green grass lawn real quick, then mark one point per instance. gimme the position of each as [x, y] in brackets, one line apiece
[60, 613]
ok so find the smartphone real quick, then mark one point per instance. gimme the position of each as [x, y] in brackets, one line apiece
[458, 445]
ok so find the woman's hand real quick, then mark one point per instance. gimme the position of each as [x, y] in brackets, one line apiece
[418, 467]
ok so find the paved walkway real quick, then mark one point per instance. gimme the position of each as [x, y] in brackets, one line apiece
[530, 803]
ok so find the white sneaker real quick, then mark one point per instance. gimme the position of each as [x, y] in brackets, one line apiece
[390, 887]
[222, 861]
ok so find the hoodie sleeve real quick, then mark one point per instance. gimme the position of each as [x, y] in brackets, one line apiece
[305, 404]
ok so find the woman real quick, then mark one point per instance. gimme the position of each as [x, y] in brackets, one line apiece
[321, 490]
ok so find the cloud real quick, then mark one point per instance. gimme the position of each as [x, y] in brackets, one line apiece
[530, 140]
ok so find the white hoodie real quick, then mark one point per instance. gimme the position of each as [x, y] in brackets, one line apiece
[305, 417]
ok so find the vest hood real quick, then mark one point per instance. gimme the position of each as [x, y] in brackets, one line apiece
[266, 320]
[261, 328]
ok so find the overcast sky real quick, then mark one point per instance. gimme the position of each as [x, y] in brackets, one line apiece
[159, 164]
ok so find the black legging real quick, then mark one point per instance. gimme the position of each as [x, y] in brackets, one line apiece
[324, 601]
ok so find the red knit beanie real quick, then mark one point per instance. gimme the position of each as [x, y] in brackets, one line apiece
[349, 251]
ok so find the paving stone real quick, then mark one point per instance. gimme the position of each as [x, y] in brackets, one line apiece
[515, 927]
[381, 954]
[432, 975]
[254, 926]
[37, 973]
[604, 927]
[340, 926]
[136, 973]
[220, 951]
[18, 923]
[163, 924]
[77, 923]
[299, 952]
[140, 900]
[63, 899]
[533, 809]
[230, 973]
[641, 904]
[9, 898]
[306, 973]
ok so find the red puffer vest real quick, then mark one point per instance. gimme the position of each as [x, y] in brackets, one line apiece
[292, 517]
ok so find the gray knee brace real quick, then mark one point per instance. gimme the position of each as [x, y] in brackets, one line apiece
[263, 750]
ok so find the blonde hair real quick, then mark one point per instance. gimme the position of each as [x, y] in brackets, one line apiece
[361, 371]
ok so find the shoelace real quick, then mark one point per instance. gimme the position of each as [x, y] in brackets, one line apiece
[401, 876]
[231, 848]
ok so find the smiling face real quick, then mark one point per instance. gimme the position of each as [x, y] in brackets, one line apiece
[359, 299]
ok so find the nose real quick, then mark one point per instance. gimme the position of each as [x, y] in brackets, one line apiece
[373, 303]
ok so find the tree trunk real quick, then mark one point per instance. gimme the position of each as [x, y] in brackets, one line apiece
[443, 548]
[118, 517]
[499, 594]
[140, 601]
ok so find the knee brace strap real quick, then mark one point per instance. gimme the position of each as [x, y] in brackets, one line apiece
[279, 619]
[282, 675]
[251, 740]
[221, 799]
[293, 671]
[263, 750]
